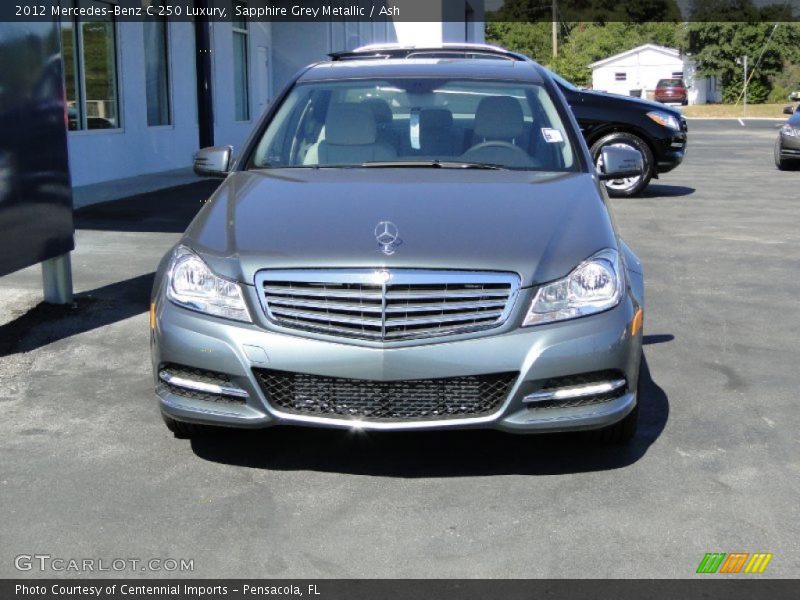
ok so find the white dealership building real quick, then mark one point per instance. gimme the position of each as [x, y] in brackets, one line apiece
[144, 96]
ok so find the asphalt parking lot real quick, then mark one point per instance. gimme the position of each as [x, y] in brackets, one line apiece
[89, 470]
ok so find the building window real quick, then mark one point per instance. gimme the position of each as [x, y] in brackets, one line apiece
[156, 66]
[90, 68]
[241, 77]
[620, 76]
[677, 75]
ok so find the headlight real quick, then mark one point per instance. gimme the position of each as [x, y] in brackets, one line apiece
[191, 284]
[665, 119]
[594, 286]
[789, 130]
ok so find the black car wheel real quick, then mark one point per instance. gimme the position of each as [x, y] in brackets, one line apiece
[184, 431]
[623, 431]
[629, 186]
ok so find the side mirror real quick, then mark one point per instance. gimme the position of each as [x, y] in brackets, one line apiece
[620, 162]
[213, 162]
[788, 110]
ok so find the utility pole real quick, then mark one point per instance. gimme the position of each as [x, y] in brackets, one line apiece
[745, 85]
[555, 28]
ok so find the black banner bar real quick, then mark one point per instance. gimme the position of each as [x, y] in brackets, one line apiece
[708, 588]
[638, 11]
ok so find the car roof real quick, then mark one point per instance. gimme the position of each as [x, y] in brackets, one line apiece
[378, 51]
[462, 68]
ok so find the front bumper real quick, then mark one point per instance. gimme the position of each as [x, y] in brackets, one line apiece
[789, 146]
[602, 342]
[671, 150]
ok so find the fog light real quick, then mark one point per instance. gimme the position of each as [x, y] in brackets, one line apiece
[201, 386]
[575, 392]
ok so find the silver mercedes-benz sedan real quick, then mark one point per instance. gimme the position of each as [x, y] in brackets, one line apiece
[405, 244]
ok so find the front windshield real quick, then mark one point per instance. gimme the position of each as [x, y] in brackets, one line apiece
[405, 122]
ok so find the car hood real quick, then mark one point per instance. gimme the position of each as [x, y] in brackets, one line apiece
[631, 102]
[537, 225]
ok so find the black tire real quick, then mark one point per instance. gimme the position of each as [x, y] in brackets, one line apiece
[637, 143]
[623, 431]
[781, 163]
[183, 431]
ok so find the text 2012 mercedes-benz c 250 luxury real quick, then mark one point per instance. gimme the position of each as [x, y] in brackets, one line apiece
[405, 244]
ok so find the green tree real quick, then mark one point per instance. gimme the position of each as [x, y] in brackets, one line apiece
[532, 39]
[718, 47]
[590, 42]
[581, 43]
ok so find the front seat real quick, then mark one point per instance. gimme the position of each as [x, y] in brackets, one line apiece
[436, 136]
[499, 126]
[384, 119]
[351, 138]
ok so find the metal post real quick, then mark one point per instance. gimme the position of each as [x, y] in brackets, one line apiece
[555, 29]
[745, 85]
[205, 102]
[57, 279]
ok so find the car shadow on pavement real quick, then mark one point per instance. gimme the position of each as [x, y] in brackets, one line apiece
[661, 190]
[163, 211]
[658, 338]
[47, 323]
[435, 453]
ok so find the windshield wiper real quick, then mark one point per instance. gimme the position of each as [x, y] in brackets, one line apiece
[433, 164]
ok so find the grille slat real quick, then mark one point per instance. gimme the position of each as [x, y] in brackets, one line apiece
[472, 316]
[333, 293]
[444, 305]
[301, 314]
[387, 304]
[325, 305]
[396, 295]
[419, 399]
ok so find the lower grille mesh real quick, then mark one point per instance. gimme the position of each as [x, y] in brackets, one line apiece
[420, 399]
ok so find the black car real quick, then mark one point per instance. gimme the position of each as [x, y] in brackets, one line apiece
[787, 146]
[658, 132]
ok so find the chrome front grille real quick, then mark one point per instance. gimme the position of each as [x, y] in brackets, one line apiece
[387, 305]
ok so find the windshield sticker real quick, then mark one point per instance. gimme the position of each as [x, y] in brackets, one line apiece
[552, 136]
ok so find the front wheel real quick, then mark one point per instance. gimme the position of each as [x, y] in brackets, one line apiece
[624, 431]
[183, 431]
[628, 186]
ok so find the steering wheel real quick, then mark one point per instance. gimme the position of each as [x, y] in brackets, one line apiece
[519, 155]
[496, 144]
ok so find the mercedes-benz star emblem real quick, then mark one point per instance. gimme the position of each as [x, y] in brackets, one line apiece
[388, 236]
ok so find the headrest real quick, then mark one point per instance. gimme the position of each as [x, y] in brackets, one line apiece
[499, 117]
[380, 108]
[435, 118]
[350, 125]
